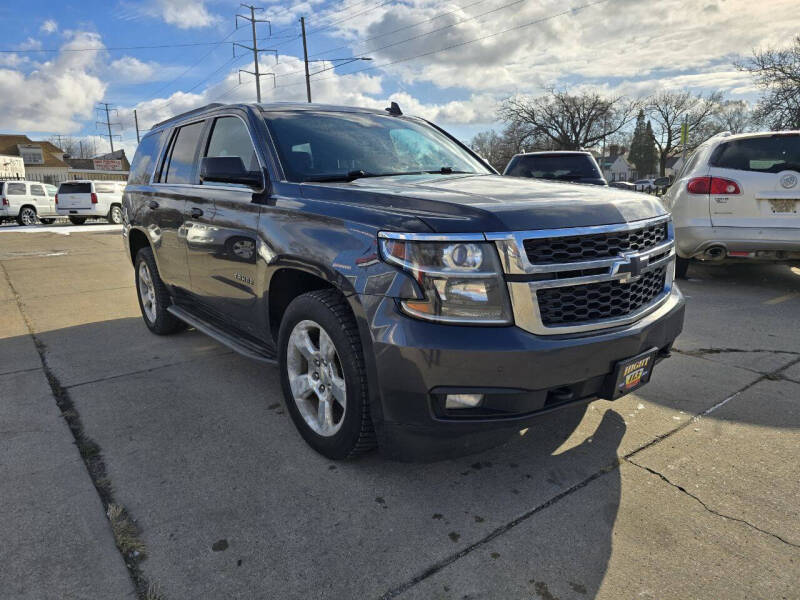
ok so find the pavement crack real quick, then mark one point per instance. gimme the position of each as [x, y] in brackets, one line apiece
[439, 565]
[706, 351]
[89, 451]
[708, 508]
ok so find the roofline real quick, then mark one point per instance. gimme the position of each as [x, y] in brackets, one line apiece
[554, 152]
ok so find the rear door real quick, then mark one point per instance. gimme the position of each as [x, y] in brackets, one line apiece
[16, 195]
[75, 195]
[40, 199]
[222, 243]
[766, 170]
[108, 193]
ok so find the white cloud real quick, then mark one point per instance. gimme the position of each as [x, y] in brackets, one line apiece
[57, 95]
[30, 44]
[184, 14]
[132, 70]
[49, 26]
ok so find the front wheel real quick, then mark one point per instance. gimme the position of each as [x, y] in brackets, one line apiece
[323, 376]
[77, 220]
[26, 216]
[681, 267]
[115, 215]
[153, 296]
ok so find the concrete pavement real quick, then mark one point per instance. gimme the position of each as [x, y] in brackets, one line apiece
[685, 489]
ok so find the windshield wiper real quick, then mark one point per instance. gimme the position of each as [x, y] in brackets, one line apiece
[360, 174]
[450, 171]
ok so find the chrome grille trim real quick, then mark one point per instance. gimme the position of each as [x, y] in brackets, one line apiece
[514, 259]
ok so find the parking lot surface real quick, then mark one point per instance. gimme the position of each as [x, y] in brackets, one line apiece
[686, 489]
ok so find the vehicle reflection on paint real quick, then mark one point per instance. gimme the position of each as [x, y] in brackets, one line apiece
[221, 242]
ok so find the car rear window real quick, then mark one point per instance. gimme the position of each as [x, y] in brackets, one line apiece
[564, 167]
[105, 188]
[75, 188]
[771, 154]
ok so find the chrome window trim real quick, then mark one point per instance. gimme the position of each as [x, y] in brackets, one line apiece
[432, 237]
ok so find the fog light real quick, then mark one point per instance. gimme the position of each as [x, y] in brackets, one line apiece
[463, 400]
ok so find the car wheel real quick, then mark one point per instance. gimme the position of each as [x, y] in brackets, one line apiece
[77, 220]
[681, 267]
[26, 216]
[115, 215]
[323, 376]
[153, 296]
[47, 221]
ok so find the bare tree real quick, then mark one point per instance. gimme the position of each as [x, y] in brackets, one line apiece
[569, 121]
[735, 116]
[491, 146]
[777, 73]
[669, 110]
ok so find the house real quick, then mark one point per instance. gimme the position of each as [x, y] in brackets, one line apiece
[112, 166]
[42, 160]
[616, 167]
[673, 166]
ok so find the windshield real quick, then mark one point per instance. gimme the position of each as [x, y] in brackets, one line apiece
[566, 167]
[315, 146]
[771, 154]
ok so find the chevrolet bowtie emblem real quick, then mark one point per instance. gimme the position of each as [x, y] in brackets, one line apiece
[630, 267]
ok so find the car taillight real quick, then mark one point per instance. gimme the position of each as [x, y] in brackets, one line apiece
[94, 198]
[5, 202]
[712, 185]
[56, 198]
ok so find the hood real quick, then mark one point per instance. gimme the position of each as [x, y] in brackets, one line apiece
[487, 203]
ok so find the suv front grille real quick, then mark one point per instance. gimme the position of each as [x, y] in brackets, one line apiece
[575, 304]
[594, 246]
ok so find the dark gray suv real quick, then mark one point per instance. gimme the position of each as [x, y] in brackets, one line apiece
[412, 297]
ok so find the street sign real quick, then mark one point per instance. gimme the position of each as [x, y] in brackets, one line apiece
[107, 164]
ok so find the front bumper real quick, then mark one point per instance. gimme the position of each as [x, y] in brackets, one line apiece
[522, 375]
[692, 242]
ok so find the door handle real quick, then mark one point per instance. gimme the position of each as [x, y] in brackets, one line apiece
[153, 204]
[197, 212]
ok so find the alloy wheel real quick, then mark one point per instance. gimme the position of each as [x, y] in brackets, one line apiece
[316, 378]
[147, 292]
[27, 216]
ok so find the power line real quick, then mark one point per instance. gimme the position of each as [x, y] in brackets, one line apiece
[109, 48]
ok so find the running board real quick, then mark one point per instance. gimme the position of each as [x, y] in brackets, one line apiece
[243, 347]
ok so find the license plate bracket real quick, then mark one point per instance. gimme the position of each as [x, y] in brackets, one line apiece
[783, 205]
[630, 374]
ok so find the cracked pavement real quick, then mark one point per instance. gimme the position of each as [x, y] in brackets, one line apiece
[687, 488]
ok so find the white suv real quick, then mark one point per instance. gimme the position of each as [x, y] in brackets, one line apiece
[82, 199]
[27, 202]
[738, 196]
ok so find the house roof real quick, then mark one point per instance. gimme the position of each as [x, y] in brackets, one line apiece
[9, 143]
[607, 161]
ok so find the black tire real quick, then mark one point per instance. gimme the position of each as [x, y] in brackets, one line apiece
[77, 220]
[330, 310]
[162, 322]
[47, 221]
[681, 267]
[26, 213]
[115, 214]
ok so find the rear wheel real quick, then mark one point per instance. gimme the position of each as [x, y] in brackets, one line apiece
[323, 376]
[681, 267]
[153, 296]
[115, 215]
[77, 220]
[27, 216]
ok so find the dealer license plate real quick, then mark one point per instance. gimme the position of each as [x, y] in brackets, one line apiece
[632, 373]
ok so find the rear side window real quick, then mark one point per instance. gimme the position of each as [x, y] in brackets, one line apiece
[105, 188]
[771, 154]
[75, 188]
[37, 190]
[231, 138]
[15, 189]
[182, 160]
[145, 159]
[563, 167]
[51, 189]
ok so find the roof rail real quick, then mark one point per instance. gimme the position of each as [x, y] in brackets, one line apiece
[188, 112]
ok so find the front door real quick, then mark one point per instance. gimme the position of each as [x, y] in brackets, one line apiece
[222, 238]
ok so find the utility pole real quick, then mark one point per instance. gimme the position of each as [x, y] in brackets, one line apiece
[254, 48]
[305, 57]
[108, 123]
[80, 144]
[136, 121]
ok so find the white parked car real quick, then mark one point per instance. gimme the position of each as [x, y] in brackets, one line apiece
[645, 185]
[82, 199]
[27, 202]
[738, 197]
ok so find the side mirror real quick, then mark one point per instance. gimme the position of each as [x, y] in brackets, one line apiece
[228, 169]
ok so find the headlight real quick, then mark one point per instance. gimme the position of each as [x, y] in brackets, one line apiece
[461, 280]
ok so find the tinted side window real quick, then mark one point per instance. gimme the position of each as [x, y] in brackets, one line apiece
[105, 188]
[771, 154]
[181, 167]
[51, 189]
[37, 190]
[15, 189]
[231, 138]
[145, 159]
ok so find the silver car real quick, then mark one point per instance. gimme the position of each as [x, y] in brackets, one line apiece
[738, 197]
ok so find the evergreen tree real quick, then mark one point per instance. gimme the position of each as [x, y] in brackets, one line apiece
[643, 153]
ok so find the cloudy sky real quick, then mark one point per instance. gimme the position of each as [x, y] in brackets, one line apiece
[450, 61]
